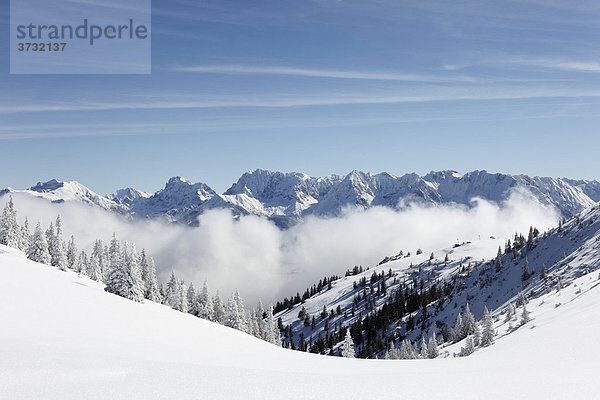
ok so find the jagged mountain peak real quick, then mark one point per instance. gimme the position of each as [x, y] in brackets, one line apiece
[48, 186]
[285, 197]
[127, 196]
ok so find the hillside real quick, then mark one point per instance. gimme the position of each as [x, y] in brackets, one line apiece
[411, 297]
[63, 337]
[285, 198]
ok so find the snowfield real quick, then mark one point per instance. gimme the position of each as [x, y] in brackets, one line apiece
[63, 337]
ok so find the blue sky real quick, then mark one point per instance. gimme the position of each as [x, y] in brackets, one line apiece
[319, 87]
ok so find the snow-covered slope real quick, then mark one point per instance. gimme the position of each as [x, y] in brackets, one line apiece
[58, 192]
[63, 337]
[444, 281]
[126, 197]
[287, 197]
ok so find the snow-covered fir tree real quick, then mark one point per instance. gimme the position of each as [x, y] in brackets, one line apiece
[262, 325]
[25, 236]
[468, 323]
[172, 292]
[468, 349]
[183, 299]
[457, 332]
[71, 253]
[510, 313]
[348, 346]
[273, 335]
[94, 270]
[57, 247]
[525, 318]
[204, 304]
[236, 313]
[219, 314]
[424, 350]
[81, 265]
[488, 333]
[149, 278]
[477, 335]
[432, 347]
[38, 249]
[101, 259]
[407, 351]
[124, 277]
[10, 231]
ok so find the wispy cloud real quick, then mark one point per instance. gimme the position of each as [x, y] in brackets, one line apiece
[564, 65]
[307, 100]
[567, 65]
[321, 73]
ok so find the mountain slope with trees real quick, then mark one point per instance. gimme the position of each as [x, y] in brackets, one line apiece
[444, 302]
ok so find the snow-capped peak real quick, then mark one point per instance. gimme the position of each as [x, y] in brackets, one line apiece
[286, 197]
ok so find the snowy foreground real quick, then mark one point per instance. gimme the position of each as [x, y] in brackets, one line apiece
[63, 337]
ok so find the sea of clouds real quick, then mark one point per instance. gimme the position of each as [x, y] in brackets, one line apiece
[252, 254]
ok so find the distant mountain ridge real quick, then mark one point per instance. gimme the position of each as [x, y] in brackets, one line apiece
[286, 198]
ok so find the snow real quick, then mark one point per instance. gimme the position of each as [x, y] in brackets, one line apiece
[58, 192]
[63, 337]
[287, 197]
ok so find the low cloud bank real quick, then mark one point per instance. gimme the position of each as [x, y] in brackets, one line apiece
[252, 254]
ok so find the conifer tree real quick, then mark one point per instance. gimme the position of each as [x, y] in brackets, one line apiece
[432, 347]
[510, 312]
[94, 270]
[151, 289]
[458, 329]
[273, 335]
[526, 274]
[348, 346]
[468, 349]
[487, 336]
[468, 322]
[253, 324]
[236, 313]
[205, 304]
[25, 236]
[191, 300]
[10, 232]
[101, 259]
[71, 254]
[477, 335]
[172, 292]
[59, 257]
[424, 350]
[114, 254]
[81, 265]
[183, 299]
[262, 325]
[38, 249]
[219, 309]
[525, 318]
[499, 260]
[124, 277]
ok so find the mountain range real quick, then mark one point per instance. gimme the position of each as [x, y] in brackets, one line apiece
[286, 198]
